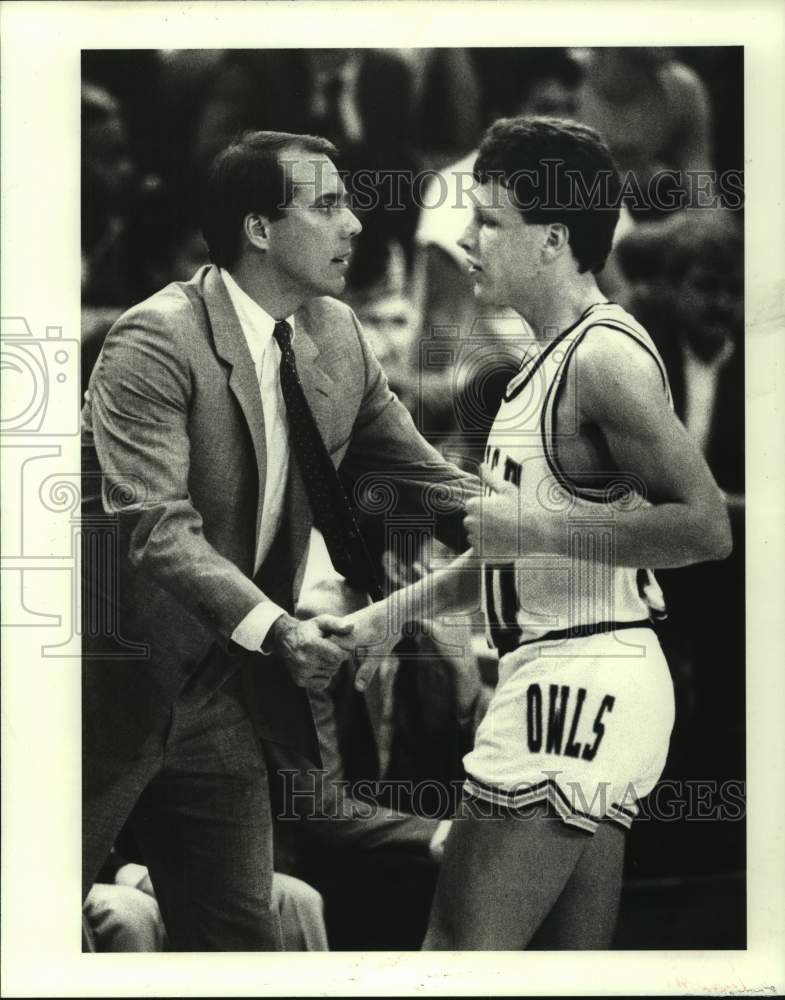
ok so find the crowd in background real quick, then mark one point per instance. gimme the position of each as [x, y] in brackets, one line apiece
[410, 121]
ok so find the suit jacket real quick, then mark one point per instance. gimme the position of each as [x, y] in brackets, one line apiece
[174, 467]
[725, 445]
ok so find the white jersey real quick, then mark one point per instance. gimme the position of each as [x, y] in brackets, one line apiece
[583, 709]
[537, 594]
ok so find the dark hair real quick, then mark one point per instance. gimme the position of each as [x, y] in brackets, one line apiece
[557, 171]
[711, 237]
[508, 75]
[246, 177]
[643, 253]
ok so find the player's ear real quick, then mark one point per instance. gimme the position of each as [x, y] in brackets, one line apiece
[557, 237]
[256, 228]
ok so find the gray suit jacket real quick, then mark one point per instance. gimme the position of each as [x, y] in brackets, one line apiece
[174, 464]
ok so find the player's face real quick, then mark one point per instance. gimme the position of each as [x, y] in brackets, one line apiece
[504, 253]
[310, 245]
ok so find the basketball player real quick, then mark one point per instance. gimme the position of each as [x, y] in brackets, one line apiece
[590, 478]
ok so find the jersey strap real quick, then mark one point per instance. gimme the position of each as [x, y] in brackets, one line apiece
[625, 324]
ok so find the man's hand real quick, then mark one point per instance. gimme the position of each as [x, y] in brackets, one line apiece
[310, 656]
[494, 523]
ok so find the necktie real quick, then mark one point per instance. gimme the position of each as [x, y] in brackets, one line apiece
[332, 512]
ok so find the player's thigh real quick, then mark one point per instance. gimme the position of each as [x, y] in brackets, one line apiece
[584, 916]
[500, 876]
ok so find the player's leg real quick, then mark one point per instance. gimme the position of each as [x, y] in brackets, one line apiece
[584, 916]
[500, 876]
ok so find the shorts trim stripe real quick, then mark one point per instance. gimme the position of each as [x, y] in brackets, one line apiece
[547, 790]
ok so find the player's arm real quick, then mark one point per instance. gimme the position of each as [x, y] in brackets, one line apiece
[621, 393]
[377, 628]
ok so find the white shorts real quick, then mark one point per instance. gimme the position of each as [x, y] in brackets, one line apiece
[581, 723]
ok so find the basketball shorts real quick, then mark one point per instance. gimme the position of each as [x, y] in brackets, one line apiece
[581, 723]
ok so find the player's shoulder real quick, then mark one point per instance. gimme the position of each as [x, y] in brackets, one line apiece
[615, 357]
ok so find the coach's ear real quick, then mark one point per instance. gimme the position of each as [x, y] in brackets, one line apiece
[557, 238]
[257, 230]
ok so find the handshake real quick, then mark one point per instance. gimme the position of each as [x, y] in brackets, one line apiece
[313, 650]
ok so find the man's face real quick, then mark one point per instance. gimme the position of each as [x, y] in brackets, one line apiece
[310, 245]
[550, 97]
[109, 166]
[711, 305]
[504, 252]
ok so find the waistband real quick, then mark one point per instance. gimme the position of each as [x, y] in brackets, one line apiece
[574, 632]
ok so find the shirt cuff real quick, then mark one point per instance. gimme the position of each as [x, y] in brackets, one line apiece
[253, 629]
[436, 845]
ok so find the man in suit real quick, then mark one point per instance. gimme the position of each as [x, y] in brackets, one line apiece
[214, 422]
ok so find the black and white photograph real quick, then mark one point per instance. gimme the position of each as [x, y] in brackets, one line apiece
[381, 408]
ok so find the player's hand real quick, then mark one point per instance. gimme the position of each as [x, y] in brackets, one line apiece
[310, 649]
[494, 523]
[372, 637]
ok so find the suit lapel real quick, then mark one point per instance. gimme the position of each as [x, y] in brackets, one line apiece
[231, 346]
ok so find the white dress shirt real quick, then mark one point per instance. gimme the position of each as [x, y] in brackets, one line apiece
[257, 327]
[701, 379]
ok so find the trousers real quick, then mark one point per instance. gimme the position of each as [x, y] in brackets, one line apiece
[195, 800]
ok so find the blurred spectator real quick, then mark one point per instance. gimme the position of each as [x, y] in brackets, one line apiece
[389, 753]
[686, 288]
[653, 112]
[721, 68]
[109, 175]
[377, 291]
[121, 912]
[378, 99]
[685, 283]
[351, 96]
[516, 82]
[449, 107]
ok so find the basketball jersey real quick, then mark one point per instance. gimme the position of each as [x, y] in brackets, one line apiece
[539, 593]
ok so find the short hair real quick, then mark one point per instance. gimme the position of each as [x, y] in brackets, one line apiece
[642, 254]
[711, 237]
[248, 176]
[557, 171]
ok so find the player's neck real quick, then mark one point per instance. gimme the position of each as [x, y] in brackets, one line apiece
[563, 306]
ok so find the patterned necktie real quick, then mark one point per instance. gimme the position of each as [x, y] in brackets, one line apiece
[332, 512]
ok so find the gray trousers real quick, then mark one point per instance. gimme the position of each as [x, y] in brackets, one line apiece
[197, 802]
